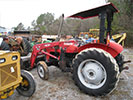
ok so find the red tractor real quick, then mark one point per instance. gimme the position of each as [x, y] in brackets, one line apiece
[96, 67]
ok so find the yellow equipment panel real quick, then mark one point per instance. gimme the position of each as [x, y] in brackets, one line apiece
[9, 70]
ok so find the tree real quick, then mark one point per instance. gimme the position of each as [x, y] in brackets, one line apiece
[46, 23]
[19, 27]
[54, 27]
[28, 28]
[43, 22]
[123, 21]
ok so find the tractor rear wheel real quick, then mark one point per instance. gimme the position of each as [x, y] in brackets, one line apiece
[26, 47]
[95, 72]
[4, 46]
[42, 70]
[27, 87]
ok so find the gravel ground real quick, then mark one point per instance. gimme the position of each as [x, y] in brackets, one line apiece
[60, 86]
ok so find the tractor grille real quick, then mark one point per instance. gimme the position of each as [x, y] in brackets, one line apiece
[9, 70]
[8, 74]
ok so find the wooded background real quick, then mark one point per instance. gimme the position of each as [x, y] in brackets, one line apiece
[122, 22]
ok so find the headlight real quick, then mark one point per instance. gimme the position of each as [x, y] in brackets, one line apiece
[14, 58]
[2, 60]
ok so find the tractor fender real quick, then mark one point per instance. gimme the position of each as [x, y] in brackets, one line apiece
[113, 48]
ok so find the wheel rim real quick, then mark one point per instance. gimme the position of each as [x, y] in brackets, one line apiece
[41, 71]
[24, 85]
[92, 74]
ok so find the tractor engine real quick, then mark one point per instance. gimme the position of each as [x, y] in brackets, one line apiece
[66, 54]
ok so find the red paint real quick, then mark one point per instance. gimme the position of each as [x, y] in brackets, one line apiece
[113, 48]
[46, 48]
[70, 47]
[91, 12]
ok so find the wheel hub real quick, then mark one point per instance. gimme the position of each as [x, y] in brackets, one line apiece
[41, 71]
[92, 73]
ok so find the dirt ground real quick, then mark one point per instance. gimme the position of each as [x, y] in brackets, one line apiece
[60, 86]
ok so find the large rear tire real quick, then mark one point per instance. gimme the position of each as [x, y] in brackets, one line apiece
[27, 87]
[95, 72]
[26, 47]
[4, 46]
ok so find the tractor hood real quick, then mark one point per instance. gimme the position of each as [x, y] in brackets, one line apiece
[95, 11]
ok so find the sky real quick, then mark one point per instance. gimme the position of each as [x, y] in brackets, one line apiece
[12, 12]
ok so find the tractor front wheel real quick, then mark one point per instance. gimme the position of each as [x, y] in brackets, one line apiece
[95, 72]
[42, 70]
[27, 87]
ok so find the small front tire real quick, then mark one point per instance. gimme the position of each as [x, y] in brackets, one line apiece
[42, 70]
[28, 86]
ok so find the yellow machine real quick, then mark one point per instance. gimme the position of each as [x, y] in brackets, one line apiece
[12, 78]
[92, 33]
[119, 38]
